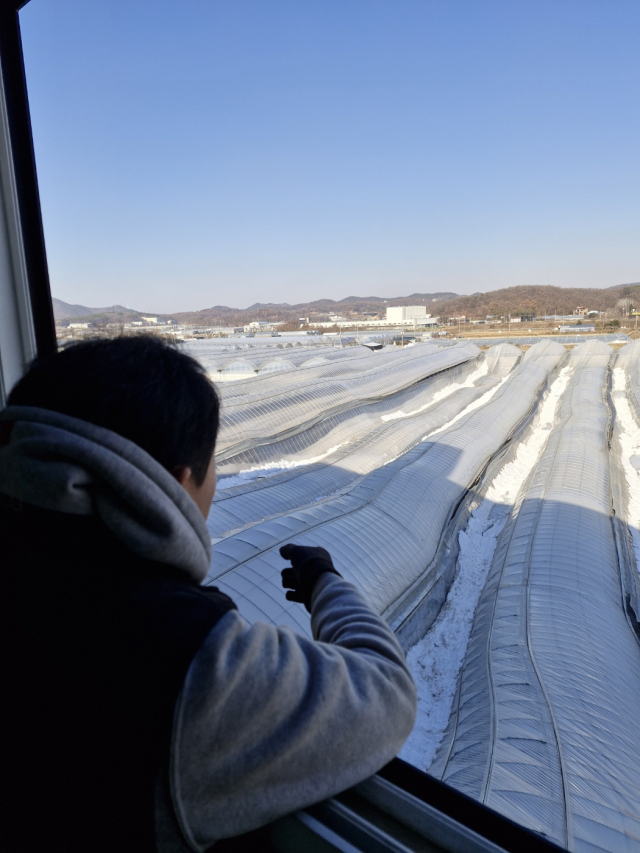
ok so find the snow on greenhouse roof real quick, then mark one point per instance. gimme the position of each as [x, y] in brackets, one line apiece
[629, 359]
[280, 406]
[299, 471]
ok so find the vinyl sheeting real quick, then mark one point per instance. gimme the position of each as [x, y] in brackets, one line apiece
[326, 364]
[383, 531]
[278, 408]
[220, 358]
[268, 361]
[367, 437]
[332, 432]
[545, 725]
[629, 358]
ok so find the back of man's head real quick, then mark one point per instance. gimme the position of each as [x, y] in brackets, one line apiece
[140, 387]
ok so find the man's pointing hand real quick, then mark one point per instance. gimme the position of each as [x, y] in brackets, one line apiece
[307, 564]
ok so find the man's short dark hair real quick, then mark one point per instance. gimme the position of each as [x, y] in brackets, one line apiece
[140, 387]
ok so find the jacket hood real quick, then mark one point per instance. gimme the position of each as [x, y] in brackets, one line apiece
[60, 463]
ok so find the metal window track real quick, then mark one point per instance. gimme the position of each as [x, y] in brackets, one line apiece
[400, 810]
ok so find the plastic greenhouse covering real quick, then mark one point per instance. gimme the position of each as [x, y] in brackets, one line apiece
[352, 362]
[382, 530]
[332, 362]
[333, 432]
[366, 437]
[544, 727]
[276, 409]
[221, 362]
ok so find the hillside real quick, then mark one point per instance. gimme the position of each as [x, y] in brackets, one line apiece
[528, 299]
[351, 306]
[539, 300]
[64, 310]
[66, 313]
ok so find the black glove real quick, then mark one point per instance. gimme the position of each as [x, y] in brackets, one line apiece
[307, 565]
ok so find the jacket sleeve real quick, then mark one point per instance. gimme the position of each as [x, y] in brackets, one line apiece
[269, 721]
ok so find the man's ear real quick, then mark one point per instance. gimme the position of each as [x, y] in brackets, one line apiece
[201, 493]
[183, 475]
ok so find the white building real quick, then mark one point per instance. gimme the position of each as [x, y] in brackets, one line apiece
[416, 314]
[259, 326]
[577, 330]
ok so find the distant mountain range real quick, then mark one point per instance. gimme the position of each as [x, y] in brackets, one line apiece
[63, 310]
[526, 299]
[353, 302]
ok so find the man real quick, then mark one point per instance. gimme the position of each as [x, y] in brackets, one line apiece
[140, 711]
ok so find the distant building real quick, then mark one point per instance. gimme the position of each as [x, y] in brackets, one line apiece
[81, 325]
[259, 326]
[407, 314]
[580, 312]
[149, 319]
[577, 330]
[414, 314]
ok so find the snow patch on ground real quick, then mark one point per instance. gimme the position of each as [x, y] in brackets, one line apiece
[271, 469]
[442, 394]
[630, 447]
[436, 660]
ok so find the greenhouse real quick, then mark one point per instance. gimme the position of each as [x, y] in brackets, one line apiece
[341, 448]
[543, 727]
[277, 409]
[385, 530]
[234, 362]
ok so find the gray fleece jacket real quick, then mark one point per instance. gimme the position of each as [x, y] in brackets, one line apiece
[268, 721]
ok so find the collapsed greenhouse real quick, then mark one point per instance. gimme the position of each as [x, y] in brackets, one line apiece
[386, 460]
[224, 361]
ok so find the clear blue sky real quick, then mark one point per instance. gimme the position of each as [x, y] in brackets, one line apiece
[201, 152]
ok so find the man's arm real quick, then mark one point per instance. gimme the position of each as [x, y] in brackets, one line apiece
[269, 721]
